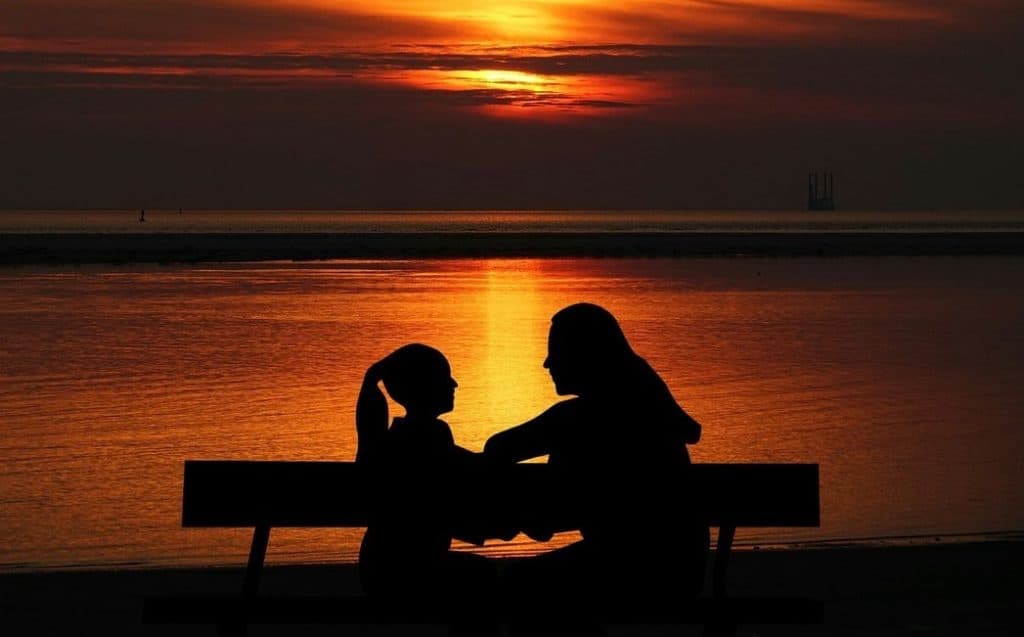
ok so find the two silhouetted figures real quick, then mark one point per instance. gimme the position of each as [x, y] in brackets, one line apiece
[640, 543]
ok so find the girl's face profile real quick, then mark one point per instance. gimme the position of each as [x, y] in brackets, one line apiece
[432, 390]
[439, 389]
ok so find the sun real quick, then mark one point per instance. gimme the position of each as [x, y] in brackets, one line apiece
[503, 80]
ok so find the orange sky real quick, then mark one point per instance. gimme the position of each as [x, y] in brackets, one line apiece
[497, 32]
[739, 67]
[259, 26]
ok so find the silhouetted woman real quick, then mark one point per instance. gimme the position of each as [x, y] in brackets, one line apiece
[619, 448]
[416, 468]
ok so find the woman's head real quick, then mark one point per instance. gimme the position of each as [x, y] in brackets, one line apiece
[419, 378]
[589, 356]
[587, 350]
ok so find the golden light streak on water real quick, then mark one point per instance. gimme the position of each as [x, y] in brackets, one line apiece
[900, 377]
[516, 343]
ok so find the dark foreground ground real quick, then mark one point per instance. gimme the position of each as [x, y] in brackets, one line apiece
[29, 249]
[959, 589]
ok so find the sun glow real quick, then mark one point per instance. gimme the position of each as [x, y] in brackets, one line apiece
[509, 22]
[264, 26]
[505, 92]
[521, 22]
[502, 80]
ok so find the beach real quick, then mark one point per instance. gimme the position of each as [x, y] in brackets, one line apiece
[940, 589]
[190, 247]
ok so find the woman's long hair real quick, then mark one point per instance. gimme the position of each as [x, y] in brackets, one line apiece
[592, 336]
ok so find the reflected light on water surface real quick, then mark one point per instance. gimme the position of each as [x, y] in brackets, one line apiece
[900, 377]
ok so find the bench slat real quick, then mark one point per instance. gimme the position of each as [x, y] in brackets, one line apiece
[231, 493]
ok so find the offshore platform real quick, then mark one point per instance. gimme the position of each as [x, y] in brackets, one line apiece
[824, 199]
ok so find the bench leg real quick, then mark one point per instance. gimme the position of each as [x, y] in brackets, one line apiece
[721, 625]
[726, 534]
[257, 553]
[251, 583]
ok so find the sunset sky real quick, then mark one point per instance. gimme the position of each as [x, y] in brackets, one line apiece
[510, 103]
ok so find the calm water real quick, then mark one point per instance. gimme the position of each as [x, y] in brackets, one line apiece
[900, 376]
[509, 221]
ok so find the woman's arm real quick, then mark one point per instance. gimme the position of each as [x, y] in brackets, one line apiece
[530, 439]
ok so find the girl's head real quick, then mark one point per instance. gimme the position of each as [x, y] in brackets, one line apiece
[587, 350]
[419, 378]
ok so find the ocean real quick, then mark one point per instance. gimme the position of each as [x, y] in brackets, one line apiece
[900, 376]
[284, 221]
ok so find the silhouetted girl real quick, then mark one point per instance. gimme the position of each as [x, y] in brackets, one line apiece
[416, 465]
[620, 448]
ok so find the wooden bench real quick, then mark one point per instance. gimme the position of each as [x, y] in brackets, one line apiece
[263, 495]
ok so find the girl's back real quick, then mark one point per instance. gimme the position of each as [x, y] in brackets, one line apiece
[409, 525]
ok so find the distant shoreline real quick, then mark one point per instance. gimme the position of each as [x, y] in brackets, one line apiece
[115, 248]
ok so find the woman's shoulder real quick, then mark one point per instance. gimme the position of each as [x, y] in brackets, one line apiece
[569, 407]
[567, 416]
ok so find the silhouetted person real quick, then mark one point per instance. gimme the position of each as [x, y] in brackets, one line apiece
[142, 214]
[619, 449]
[405, 555]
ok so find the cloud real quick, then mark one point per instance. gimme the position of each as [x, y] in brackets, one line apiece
[262, 104]
[258, 26]
[201, 25]
[750, 23]
[952, 83]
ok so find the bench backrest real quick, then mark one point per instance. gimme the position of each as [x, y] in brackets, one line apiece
[339, 494]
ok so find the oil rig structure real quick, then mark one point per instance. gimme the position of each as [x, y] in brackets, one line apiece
[824, 199]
